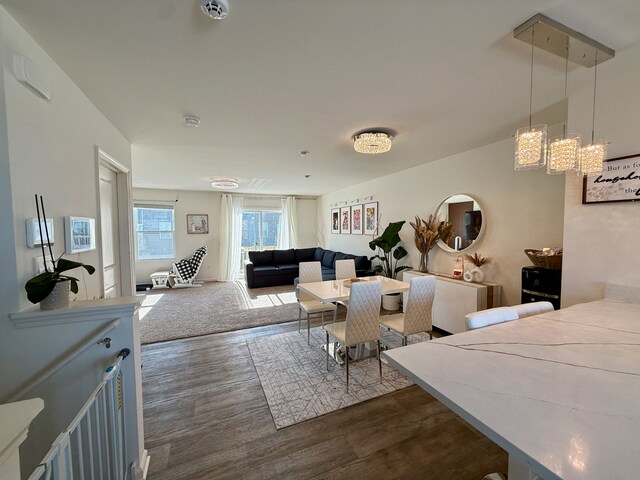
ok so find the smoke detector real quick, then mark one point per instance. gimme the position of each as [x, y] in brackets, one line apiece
[216, 9]
[191, 121]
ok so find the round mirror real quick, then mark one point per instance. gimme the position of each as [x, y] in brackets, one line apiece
[465, 213]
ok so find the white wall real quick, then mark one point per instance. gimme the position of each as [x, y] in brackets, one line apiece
[521, 209]
[209, 203]
[47, 148]
[601, 241]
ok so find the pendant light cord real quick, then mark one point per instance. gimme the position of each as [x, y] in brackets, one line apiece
[595, 84]
[566, 75]
[533, 33]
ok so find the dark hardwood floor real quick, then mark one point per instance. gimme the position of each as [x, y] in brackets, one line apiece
[206, 417]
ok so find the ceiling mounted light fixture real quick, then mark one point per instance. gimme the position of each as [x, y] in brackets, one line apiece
[531, 141]
[225, 183]
[593, 156]
[372, 142]
[564, 151]
[191, 121]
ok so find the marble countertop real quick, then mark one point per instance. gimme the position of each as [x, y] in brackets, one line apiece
[559, 391]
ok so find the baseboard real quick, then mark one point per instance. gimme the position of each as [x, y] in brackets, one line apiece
[144, 463]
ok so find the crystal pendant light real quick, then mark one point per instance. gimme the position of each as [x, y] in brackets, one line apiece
[531, 141]
[593, 156]
[563, 152]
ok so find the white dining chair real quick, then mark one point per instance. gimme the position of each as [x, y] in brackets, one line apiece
[361, 325]
[491, 316]
[312, 272]
[345, 269]
[417, 316]
[534, 308]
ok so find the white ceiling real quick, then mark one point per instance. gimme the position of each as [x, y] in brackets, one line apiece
[280, 76]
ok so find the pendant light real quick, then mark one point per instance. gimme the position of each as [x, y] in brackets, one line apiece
[564, 152]
[593, 156]
[531, 141]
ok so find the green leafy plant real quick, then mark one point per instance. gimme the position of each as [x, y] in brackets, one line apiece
[43, 284]
[389, 251]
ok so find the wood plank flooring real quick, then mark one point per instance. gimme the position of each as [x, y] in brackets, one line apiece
[206, 417]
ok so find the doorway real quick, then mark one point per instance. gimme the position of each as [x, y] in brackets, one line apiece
[115, 222]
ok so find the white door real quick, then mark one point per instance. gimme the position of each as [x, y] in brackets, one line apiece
[109, 224]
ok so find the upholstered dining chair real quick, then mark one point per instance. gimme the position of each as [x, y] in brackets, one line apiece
[417, 316]
[491, 316]
[312, 272]
[345, 269]
[361, 325]
[534, 308]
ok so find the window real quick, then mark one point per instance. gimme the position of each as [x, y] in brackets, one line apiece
[260, 231]
[155, 232]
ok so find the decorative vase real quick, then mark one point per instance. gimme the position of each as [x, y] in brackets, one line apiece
[424, 262]
[391, 302]
[478, 275]
[58, 298]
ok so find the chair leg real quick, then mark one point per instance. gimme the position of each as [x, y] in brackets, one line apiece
[335, 313]
[322, 319]
[299, 317]
[430, 332]
[308, 330]
[404, 340]
[379, 360]
[327, 351]
[346, 362]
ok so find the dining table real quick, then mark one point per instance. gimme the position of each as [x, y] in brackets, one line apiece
[559, 391]
[328, 291]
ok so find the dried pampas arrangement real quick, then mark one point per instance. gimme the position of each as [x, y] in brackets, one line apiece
[477, 259]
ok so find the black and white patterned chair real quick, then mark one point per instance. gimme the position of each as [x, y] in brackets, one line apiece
[183, 273]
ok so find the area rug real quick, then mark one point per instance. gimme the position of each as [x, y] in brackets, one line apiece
[297, 385]
[215, 307]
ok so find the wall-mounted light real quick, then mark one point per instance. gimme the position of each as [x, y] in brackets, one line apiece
[368, 199]
[333, 205]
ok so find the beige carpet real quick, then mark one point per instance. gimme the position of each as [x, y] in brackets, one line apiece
[215, 307]
[297, 385]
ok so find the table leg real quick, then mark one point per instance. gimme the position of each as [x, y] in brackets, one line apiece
[520, 470]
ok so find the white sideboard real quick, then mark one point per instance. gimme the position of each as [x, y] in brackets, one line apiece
[455, 298]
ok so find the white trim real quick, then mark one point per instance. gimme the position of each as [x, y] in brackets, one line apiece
[125, 220]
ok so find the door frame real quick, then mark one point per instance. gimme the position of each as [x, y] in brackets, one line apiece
[124, 217]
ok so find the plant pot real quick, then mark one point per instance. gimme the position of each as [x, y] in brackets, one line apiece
[58, 298]
[391, 302]
[424, 262]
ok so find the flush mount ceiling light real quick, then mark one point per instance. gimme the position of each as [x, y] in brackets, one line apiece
[224, 183]
[372, 143]
[216, 9]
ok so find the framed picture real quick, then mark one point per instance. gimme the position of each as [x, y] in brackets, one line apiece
[356, 220]
[197, 223]
[335, 220]
[345, 220]
[79, 234]
[370, 218]
[619, 182]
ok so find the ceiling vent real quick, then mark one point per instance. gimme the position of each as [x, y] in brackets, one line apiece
[216, 9]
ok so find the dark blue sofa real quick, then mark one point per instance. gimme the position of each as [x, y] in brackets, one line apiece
[268, 268]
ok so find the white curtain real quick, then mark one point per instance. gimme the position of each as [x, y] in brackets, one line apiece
[230, 237]
[289, 228]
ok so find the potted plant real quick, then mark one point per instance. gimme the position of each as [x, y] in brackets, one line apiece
[51, 288]
[389, 253]
[476, 274]
[427, 233]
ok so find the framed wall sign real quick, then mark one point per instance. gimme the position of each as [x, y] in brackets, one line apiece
[356, 220]
[197, 223]
[345, 219]
[370, 218]
[79, 234]
[619, 182]
[335, 220]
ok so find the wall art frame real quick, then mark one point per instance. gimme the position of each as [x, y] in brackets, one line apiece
[370, 219]
[197, 223]
[335, 220]
[619, 182]
[357, 227]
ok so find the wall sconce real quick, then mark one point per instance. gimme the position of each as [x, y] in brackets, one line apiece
[355, 200]
[344, 202]
[333, 205]
[369, 198]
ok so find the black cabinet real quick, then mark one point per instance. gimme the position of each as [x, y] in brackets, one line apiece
[541, 284]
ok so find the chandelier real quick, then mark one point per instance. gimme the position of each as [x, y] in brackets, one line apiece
[372, 142]
[225, 183]
[593, 156]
